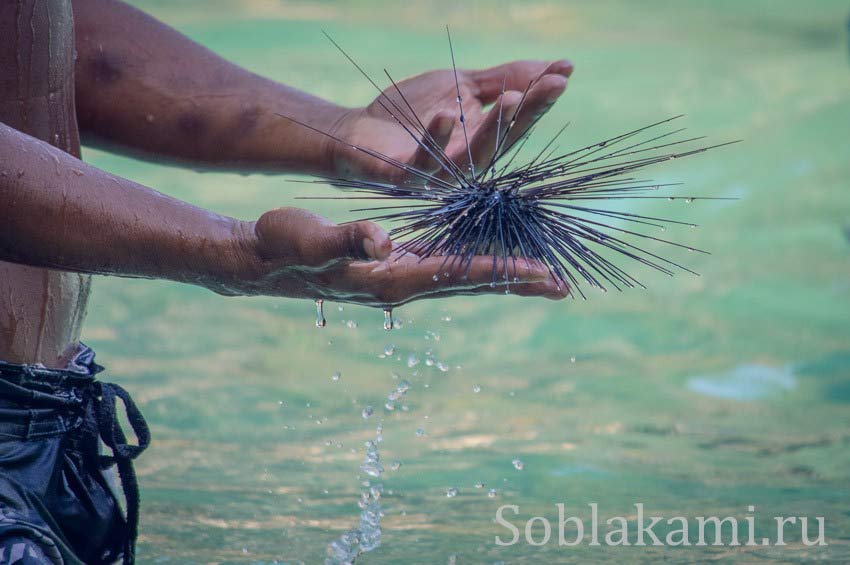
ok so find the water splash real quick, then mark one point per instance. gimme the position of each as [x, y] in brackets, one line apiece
[320, 314]
[367, 535]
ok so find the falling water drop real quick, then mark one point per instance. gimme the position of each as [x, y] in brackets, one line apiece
[689, 199]
[479, 485]
[476, 389]
[389, 349]
[388, 319]
[336, 376]
[491, 493]
[573, 359]
[518, 464]
[451, 492]
[320, 314]
[367, 412]
[420, 432]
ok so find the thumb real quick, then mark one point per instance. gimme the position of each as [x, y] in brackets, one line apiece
[300, 237]
[356, 240]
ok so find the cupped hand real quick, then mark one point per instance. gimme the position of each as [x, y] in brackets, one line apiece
[433, 96]
[302, 255]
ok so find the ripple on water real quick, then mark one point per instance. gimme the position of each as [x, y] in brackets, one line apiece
[745, 382]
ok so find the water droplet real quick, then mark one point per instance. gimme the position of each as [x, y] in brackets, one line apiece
[479, 485]
[429, 361]
[491, 493]
[389, 349]
[476, 389]
[320, 314]
[663, 228]
[336, 376]
[442, 367]
[435, 278]
[420, 432]
[493, 284]
[367, 412]
[670, 198]
[518, 464]
[689, 199]
[446, 318]
[412, 360]
[451, 492]
[351, 324]
[573, 359]
[390, 406]
[394, 466]
[388, 319]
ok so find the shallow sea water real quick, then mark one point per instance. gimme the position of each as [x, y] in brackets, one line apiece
[697, 397]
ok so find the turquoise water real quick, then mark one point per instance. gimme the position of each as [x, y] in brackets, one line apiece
[697, 397]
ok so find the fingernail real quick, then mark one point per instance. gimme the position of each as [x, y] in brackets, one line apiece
[562, 67]
[369, 247]
[557, 90]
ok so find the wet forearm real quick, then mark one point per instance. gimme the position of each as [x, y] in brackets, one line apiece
[145, 87]
[60, 213]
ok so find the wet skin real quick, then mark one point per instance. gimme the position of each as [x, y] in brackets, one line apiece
[138, 86]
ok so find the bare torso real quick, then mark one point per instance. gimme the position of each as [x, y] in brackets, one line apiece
[41, 311]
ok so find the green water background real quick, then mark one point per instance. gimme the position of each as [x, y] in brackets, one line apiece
[699, 396]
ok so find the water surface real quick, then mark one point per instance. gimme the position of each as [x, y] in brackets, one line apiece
[699, 396]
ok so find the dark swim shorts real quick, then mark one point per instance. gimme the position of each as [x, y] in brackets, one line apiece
[58, 501]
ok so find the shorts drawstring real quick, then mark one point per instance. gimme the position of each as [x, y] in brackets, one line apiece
[101, 423]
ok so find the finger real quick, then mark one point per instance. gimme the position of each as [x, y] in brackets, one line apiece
[539, 98]
[515, 76]
[492, 130]
[399, 281]
[300, 237]
[440, 131]
[356, 240]
[526, 290]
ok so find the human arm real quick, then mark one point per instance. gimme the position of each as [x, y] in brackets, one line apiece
[144, 87]
[60, 213]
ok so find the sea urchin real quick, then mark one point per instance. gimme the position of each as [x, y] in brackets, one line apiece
[545, 209]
